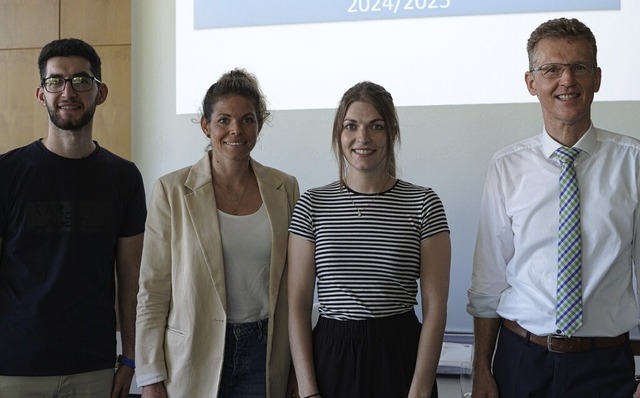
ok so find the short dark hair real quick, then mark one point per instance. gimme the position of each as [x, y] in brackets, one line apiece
[375, 95]
[561, 28]
[236, 82]
[69, 48]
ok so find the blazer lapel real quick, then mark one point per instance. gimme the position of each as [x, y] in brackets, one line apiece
[276, 202]
[201, 206]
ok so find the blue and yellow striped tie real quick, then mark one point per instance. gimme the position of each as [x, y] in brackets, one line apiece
[569, 289]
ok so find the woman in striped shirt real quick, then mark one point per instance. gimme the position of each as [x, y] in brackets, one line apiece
[367, 239]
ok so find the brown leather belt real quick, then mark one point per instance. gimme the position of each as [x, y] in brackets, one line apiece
[563, 344]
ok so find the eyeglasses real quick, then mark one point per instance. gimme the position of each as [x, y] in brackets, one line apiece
[555, 70]
[79, 83]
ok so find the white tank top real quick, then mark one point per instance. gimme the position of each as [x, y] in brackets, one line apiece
[246, 246]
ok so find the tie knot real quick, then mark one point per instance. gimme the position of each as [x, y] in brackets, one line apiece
[566, 154]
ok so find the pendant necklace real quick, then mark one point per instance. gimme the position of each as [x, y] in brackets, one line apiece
[235, 198]
[360, 211]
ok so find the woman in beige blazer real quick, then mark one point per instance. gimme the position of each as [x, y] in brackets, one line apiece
[213, 270]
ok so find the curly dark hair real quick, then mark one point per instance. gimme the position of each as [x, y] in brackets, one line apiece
[69, 48]
[236, 82]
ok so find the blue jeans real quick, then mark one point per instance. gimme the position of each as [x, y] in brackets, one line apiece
[245, 358]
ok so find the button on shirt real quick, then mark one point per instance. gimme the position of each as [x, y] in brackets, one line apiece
[516, 254]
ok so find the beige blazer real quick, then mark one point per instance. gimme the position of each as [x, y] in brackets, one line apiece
[181, 319]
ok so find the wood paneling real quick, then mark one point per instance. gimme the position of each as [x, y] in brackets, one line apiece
[99, 22]
[22, 118]
[28, 23]
[112, 120]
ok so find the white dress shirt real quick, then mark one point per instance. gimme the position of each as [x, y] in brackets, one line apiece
[515, 262]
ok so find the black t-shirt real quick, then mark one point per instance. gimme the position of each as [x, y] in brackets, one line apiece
[60, 221]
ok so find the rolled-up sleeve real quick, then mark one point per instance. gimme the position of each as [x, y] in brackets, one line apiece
[155, 291]
[493, 251]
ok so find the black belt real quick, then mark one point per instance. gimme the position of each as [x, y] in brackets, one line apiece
[564, 344]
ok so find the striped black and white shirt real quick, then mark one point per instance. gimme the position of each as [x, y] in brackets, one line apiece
[367, 266]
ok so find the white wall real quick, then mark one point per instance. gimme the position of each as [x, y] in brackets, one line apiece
[444, 147]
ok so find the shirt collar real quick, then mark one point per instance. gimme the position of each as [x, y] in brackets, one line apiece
[586, 144]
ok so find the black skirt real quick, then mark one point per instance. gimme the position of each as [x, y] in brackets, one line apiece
[369, 358]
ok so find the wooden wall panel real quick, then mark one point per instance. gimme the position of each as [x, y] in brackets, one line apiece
[112, 120]
[22, 118]
[28, 23]
[98, 22]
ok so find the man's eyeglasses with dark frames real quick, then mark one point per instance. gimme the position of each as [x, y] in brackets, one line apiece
[79, 83]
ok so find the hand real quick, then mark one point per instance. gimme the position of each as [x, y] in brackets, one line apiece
[637, 393]
[122, 382]
[484, 385]
[292, 385]
[155, 390]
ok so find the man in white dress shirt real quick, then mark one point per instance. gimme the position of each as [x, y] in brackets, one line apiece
[521, 350]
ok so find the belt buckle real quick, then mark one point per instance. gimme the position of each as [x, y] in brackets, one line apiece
[550, 339]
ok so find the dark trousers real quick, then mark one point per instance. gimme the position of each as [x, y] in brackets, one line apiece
[525, 370]
[366, 359]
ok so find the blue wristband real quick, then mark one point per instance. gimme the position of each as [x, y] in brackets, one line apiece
[122, 360]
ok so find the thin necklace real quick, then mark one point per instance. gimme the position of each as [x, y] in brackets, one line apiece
[360, 211]
[235, 198]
